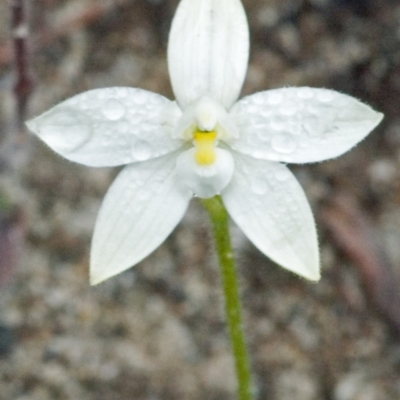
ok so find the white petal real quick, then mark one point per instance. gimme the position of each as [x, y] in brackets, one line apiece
[107, 127]
[205, 181]
[268, 204]
[205, 114]
[208, 50]
[300, 125]
[140, 210]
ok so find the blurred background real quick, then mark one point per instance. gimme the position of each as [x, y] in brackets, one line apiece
[157, 331]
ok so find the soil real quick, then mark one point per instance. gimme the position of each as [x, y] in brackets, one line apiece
[157, 331]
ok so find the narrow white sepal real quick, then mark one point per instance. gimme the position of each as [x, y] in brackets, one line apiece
[300, 125]
[208, 50]
[108, 127]
[141, 208]
[268, 204]
[205, 181]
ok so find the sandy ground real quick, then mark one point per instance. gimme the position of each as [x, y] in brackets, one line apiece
[157, 331]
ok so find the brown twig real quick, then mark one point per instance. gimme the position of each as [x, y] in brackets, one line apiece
[47, 35]
[12, 230]
[23, 85]
[354, 234]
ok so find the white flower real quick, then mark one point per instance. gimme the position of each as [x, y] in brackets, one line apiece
[205, 144]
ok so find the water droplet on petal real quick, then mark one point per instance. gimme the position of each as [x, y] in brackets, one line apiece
[102, 94]
[284, 143]
[113, 110]
[282, 175]
[141, 151]
[122, 126]
[274, 97]
[288, 108]
[325, 95]
[277, 124]
[257, 121]
[141, 195]
[105, 141]
[140, 97]
[312, 109]
[252, 109]
[305, 93]
[258, 185]
[258, 99]
[262, 135]
[122, 92]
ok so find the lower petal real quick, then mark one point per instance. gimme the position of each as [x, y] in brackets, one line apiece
[268, 204]
[205, 181]
[141, 208]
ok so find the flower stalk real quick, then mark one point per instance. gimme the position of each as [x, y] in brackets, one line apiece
[219, 221]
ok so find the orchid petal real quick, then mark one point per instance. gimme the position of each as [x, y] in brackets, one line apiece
[108, 127]
[208, 50]
[205, 181]
[205, 114]
[141, 208]
[268, 204]
[300, 125]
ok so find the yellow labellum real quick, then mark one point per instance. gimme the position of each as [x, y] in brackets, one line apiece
[205, 147]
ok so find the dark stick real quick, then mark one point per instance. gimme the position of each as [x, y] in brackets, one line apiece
[355, 235]
[23, 79]
[13, 141]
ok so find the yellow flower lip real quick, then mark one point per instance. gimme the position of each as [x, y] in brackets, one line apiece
[205, 147]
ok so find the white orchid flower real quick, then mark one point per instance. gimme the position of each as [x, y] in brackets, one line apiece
[204, 144]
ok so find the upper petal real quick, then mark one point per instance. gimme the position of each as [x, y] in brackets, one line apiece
[301, 125]
[208, 50]
[107, 127]
[141, 208]
[268, 204]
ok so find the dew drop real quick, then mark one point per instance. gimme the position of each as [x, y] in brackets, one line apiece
[305, 93]
[284, 143]
[274, 98]
[122, 92]
[258, 153]
[141, 151]
[288, 109]
[252, 109]
[325, 96]
[140, 97]
[113, 110]
[277, 124]
[257, 121]
[258, 185]
[258, 99]
[343, 101]
[141, 195]
[122, 126]
[262, 135]
[265, 112]
[312, 109]
[105, 141]
[282, 175]
[102, 94]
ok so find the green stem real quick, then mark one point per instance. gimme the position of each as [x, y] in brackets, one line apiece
[219, 220]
